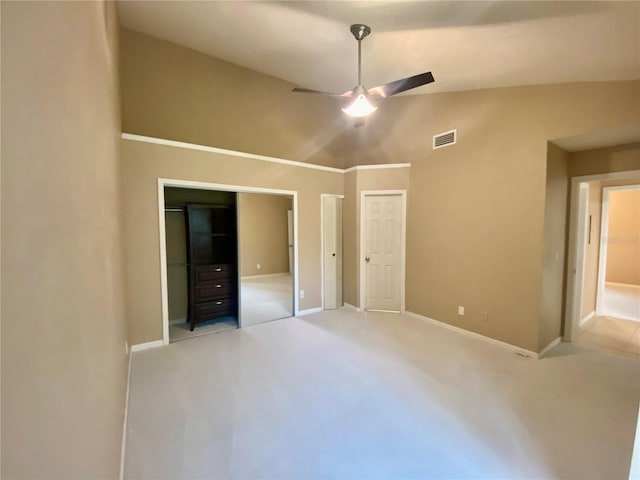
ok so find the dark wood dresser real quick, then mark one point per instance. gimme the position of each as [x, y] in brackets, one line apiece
[212, 254]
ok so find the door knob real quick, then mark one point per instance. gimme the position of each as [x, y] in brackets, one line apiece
[367, 259]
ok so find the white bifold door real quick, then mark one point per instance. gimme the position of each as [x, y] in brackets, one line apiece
[332, 251]
[383, 217]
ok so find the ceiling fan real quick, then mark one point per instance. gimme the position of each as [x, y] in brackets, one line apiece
[363, 101]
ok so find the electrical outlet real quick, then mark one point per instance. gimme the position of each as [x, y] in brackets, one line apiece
[461, 311]
[301, 293]
[259, 266]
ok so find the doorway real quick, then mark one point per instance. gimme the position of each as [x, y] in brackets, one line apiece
[201, 257]
[586, 321]
[163, 183]
[618, 292]
[382, 250]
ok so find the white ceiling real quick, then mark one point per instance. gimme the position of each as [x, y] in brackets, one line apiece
[467, 45]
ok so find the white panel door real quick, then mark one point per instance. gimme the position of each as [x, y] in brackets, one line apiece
[332, 252]
[339, 300]
[383, 252]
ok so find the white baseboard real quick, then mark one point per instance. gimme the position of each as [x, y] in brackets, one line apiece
[309, 311]
[249, 277]
[618, 284]
[549, 347]
[126, 416]
[146, 346]
[587, 318]
[351, 307]
[468, 333]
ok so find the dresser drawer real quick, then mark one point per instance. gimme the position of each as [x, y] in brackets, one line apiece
[213, 272]
[215, 308]
[214, 289]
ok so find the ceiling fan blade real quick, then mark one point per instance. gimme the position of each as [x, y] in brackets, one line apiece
[402, 85]
[306, 90]
[359, 122]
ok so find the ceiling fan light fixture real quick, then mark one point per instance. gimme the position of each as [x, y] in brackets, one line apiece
[360, 99]
[360, 107]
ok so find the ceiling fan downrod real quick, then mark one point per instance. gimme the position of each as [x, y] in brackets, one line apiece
[360, 31]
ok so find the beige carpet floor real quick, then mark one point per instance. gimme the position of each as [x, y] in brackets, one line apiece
[341, 394]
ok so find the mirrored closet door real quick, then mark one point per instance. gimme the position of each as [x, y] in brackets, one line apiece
[266, 250]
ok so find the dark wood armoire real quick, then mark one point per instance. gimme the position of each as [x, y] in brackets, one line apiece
[212, 256]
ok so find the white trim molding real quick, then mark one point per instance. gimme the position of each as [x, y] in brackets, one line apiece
[586, 318]
[548, 348]
[234, 153]
[348, 306]
[146, 346]
[123, 447]
[403, 244]
[468, 333]
[309, 311]
[223, 151]
[377, 167]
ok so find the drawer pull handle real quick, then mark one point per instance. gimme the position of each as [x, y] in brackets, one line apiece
[218, 286]
[218, 303]
[218, 269]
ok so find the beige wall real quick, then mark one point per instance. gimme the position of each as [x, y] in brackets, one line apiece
[263, 233]
[473, 207]
[350, 236]
[555, 234]
[354, 183]
[179, 94]
[476, 209]
[623, 246]
[621, 158]
[592, 250]
[64, 366]
[144, 163]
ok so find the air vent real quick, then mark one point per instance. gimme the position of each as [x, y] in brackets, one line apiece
[444, 139]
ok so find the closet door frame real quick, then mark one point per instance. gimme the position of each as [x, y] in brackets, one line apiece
[169, 182]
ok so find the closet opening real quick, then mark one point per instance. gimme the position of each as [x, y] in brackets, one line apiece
[202, 259]
[228, 257]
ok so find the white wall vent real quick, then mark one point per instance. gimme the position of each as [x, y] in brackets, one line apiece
[444, 139]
